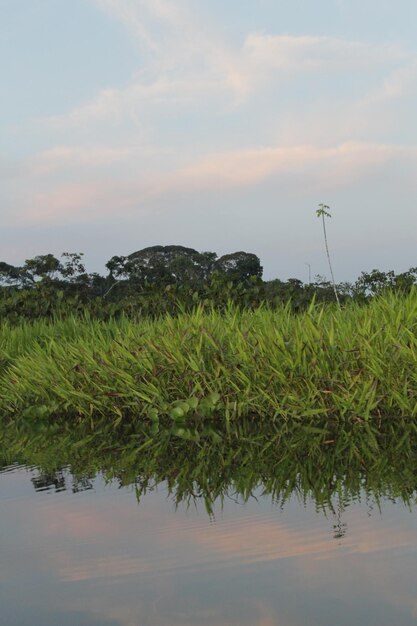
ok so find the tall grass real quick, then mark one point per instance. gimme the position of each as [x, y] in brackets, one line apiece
[357, 363]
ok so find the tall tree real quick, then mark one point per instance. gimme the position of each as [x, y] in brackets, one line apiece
[323, 211]
[239, 266]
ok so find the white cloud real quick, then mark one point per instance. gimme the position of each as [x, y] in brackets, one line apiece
[212, 89]
[187, 65]
[398, 83]
[311, 54]
[130, 15]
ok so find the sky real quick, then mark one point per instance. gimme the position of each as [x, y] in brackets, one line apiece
[216, 125]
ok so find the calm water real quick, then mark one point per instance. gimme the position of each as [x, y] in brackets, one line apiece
[78, 551]
[251, 523]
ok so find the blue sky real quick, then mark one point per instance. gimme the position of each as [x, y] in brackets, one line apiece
[217, 125]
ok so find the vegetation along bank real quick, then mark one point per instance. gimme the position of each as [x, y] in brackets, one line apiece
[357, 363]
[165, 279]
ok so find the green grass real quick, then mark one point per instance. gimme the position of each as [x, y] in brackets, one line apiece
[356, 363]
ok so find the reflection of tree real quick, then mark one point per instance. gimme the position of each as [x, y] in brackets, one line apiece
[340, 527]
[82, 484]
[56, 480]
[47, 481]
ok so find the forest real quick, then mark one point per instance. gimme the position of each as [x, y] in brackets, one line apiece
[167, 279]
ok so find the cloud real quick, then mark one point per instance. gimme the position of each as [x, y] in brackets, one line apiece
[398, 83]
[250, 167]
[186, 61]
[130, 15]
[205, 113]
[235, 170]
[65, 157]
[11, 169]
[312, 54]
[131, 104]
[192, 69]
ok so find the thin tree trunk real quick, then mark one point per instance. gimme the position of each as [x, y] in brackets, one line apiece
[330, 264]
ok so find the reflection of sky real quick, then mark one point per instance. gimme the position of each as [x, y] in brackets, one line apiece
[96, 557]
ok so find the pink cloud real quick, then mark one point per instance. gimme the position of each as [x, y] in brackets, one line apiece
[334, 167]
[85, 157]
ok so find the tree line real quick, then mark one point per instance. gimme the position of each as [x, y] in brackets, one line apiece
[160, 279]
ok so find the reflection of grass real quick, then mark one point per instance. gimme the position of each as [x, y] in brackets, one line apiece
[334, 460]
[358, 362]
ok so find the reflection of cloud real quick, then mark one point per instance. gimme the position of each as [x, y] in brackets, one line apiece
[178, 547]
[256, 539]
[142, 560]
[76, 524]
[261, 541]
[109, 567]
[248, 613]
[250, 538]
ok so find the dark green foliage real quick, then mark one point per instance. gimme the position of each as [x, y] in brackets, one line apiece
[45, 267]
[163, 265]
[168, 279]
[10, 275]
[239, 266]
[375, 282]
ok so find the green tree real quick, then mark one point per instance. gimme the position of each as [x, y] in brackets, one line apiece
[239, 266]
[374, 282]
[44, 267]
[11, 276]
[162, 265]
[323, 211]
[72, 268]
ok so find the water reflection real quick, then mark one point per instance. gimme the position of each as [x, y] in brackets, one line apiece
[60, 481]
[255, 528]
[332, 463]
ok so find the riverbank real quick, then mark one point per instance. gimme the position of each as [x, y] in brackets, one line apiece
[355, 363]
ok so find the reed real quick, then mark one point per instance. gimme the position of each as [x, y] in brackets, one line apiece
[355, 363]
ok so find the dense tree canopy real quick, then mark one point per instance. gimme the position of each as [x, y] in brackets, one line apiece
[170, 264]
[159, 279]
[239, 266]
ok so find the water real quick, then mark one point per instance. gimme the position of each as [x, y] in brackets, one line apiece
[252, 526]
[88, 553]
